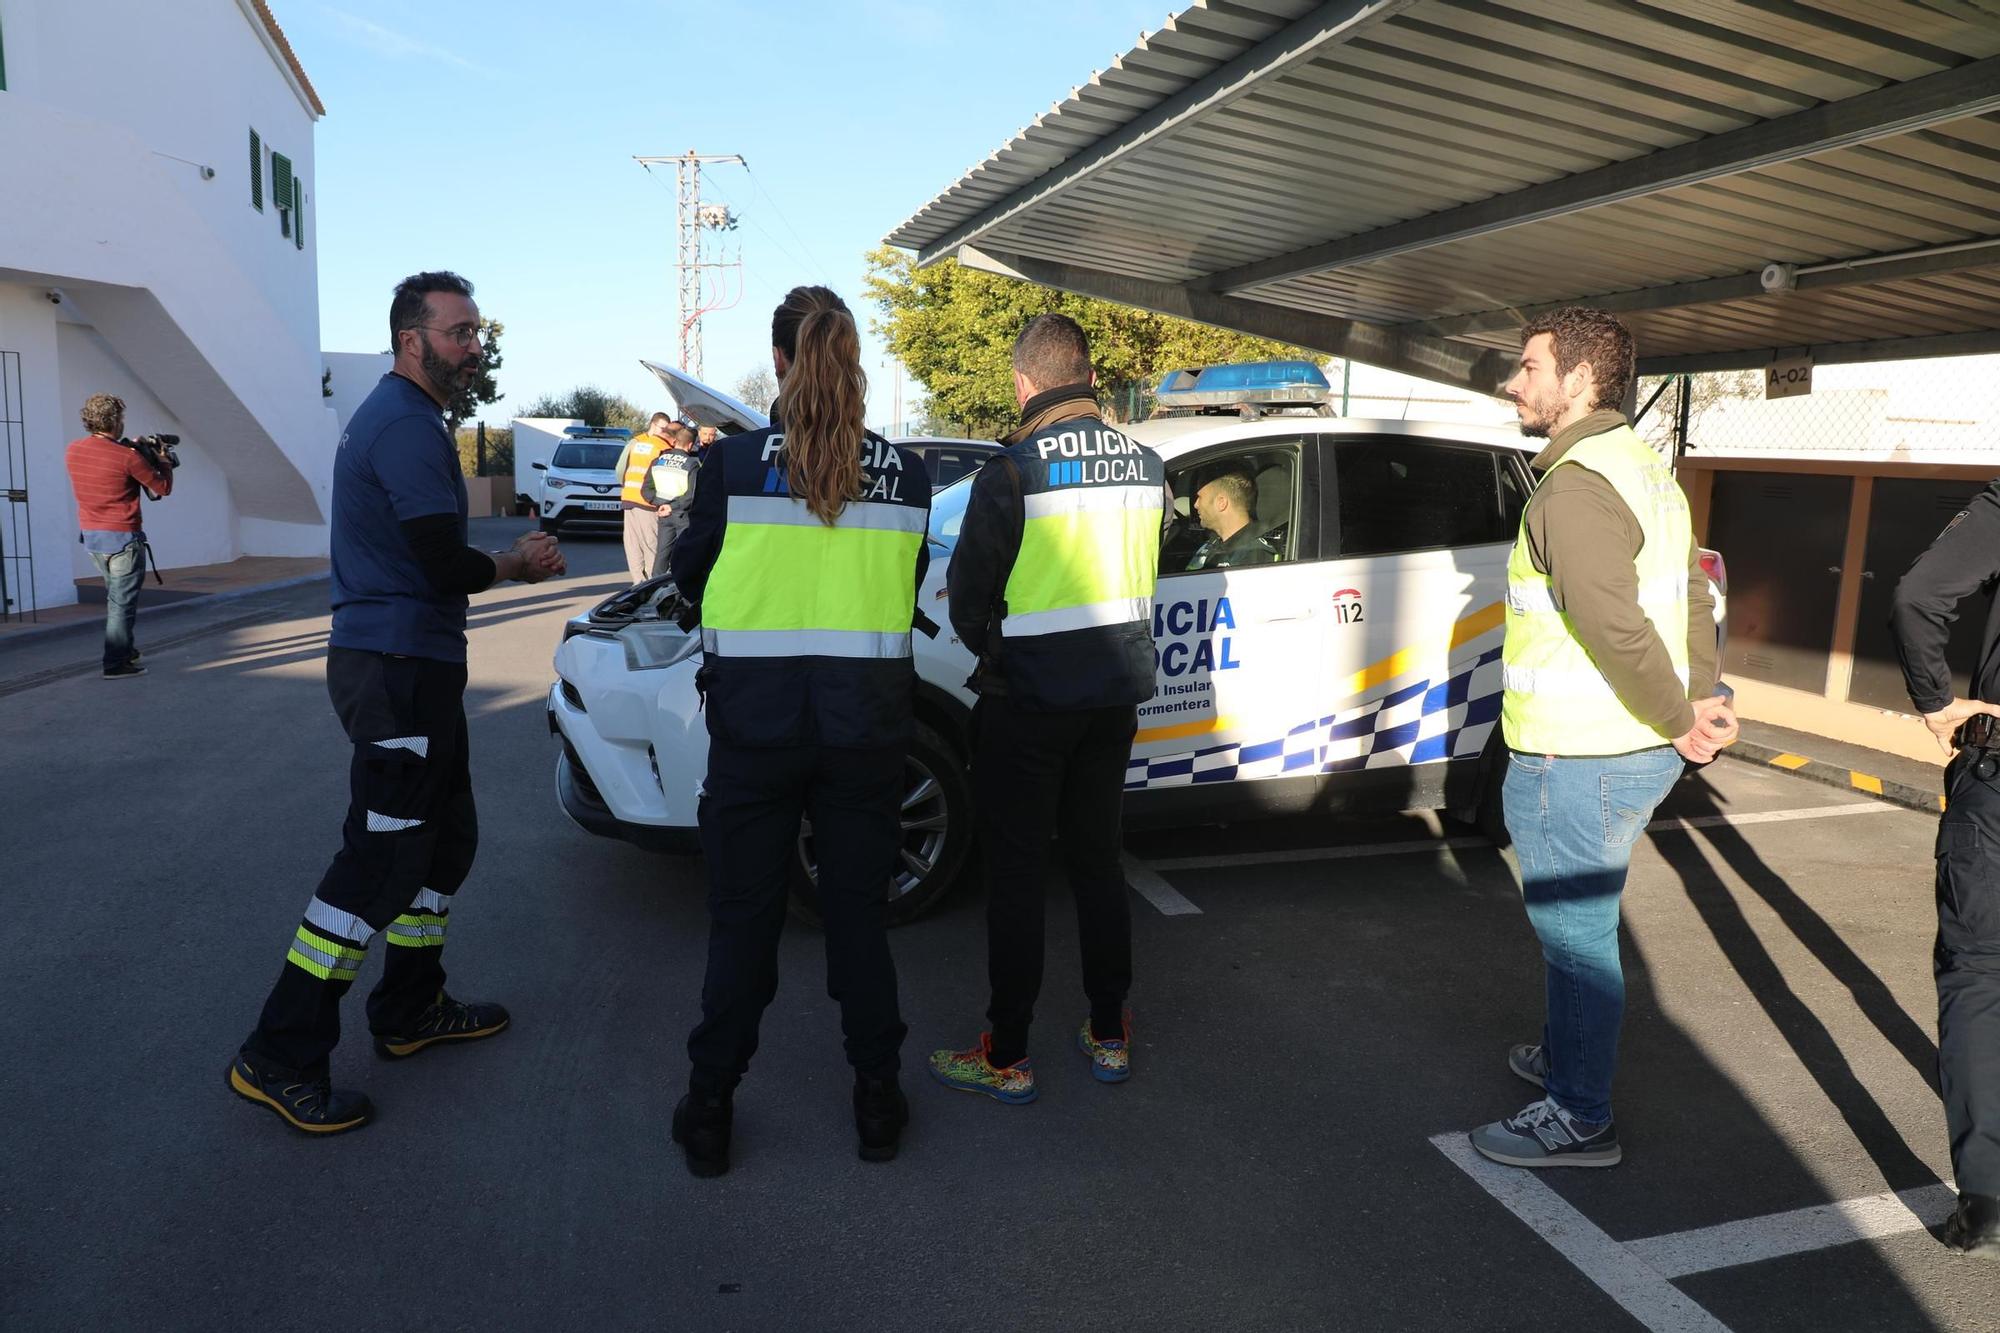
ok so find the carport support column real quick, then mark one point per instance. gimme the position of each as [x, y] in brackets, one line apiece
[1847, 605]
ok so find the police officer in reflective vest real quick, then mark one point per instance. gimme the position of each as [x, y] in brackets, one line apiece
[1052, 589]
[1963, 562]
[1606, 673]
[804, 553]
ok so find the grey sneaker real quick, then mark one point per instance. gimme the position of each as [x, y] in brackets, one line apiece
[1544, 1134]
[1530, 1062]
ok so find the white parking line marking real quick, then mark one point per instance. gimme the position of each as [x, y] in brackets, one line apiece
[1891, 1213]
[1672, 824]
[1644, 1294]
[1156, 890]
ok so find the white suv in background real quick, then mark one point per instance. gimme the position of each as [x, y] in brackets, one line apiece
[579, 484]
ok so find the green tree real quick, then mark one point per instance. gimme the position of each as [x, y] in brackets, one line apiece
[499, 451]
[954, 328]
[590, 405]
[482, 389]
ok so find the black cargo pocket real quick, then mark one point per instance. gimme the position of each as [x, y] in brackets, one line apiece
[1967, 920]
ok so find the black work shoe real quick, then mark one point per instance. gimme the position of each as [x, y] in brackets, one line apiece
[880, 1112]
[446, 1020]
[701, 1127]
[124, 671]
[1974, 1226]
[303, 1103]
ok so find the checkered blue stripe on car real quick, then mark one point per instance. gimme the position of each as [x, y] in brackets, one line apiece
[1418, 723]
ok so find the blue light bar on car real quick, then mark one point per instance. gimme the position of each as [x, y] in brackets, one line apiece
[1258, 382]
[597, 432]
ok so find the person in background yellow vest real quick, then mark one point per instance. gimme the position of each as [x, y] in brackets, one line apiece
[642, 516]
[804, 552]
[1608, 672]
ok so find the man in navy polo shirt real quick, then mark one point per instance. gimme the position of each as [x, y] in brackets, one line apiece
[395, 669]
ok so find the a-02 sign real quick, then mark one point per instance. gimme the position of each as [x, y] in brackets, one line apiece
[1788, 379]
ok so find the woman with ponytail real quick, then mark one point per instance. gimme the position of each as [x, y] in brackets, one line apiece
[804, 553]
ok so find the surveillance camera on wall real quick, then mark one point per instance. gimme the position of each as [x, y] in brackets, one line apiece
[1779, 277]
[54, 296]
[208, 173]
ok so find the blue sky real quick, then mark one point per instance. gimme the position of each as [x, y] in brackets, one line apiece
[497, 139]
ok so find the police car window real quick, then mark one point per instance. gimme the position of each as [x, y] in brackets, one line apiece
[948, 512]
[589, 457]
[1407, 495]
[948, 465]
[1513, 493]
[1233, 511]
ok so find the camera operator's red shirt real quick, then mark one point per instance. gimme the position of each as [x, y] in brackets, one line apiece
[106, 477]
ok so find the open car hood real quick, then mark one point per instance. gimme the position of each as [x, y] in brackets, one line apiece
[696, 402]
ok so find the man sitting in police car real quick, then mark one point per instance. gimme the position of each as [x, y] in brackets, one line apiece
[1226, 506]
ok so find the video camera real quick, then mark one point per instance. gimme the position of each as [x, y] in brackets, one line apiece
[158, 451]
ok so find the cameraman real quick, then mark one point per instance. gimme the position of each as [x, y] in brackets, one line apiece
[107, 474]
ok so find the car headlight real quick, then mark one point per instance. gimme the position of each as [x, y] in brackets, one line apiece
[650, 647]
[556, 484]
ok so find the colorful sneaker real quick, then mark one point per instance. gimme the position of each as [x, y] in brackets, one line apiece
[1111, 1060]
[303, 1103]
[446, 1020]
[971, 1071]
[1544, 1134]
[1530, 1062]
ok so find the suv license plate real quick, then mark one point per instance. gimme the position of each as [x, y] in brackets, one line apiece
[601, 504]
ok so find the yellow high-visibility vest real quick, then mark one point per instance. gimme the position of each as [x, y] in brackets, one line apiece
[1556, 701]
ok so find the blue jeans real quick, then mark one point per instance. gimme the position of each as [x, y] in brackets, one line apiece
[123, 572]
[1574, 820]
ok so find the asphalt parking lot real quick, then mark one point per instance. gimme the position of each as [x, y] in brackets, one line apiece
[1323, 1008]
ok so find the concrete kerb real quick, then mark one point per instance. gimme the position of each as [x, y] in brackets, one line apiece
[1927, 799]
[24, 633]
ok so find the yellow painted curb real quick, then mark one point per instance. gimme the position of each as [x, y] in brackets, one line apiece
[1790, 761]
[1865, 782]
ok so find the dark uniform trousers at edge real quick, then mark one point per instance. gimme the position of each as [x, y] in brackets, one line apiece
[1033, 772]
[411, 827]
[1967, 966]
[750, 808]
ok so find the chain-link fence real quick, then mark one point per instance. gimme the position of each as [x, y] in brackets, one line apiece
[1943, 411]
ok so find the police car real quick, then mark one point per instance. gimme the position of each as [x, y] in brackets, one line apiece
[579, 483]
[1351, 661]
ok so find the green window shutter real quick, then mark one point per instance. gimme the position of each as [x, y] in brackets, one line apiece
[256, 172]
[298, 215]
[281, 191]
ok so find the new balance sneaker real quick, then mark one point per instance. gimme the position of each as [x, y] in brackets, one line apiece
[880, 1113]
[972, 1071]
[1530, 1062]
[1546, 1135]
[702, 1126]
[1110, 1060]
[308, 1104]
[446, 1020]
[1974, 1226]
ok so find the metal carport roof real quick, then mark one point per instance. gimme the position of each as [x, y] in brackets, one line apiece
[1405, 181]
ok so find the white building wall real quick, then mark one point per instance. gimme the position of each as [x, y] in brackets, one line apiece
[189, 79]
[128, 194]
[355, 375]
